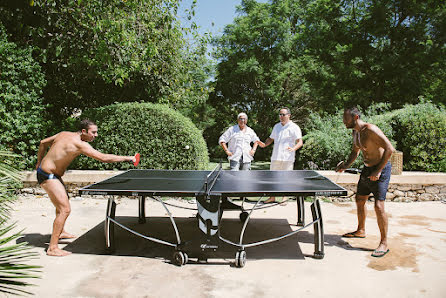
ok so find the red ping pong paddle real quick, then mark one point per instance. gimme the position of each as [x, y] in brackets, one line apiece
[137, 157]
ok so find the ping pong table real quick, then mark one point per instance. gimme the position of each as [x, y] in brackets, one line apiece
[212, 190]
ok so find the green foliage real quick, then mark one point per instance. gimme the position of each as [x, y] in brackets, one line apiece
[419, 131]
[317, 55]
[97, 52]
[12, 269]
[260, 70]
[9, 179]
[421, 134]
[370, 55]
[157, 132]
[326, 142]
[22, 122]
[12, 255]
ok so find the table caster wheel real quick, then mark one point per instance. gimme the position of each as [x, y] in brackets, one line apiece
[110, 250]
[243, 216]
[240, 259]
[180, 258]
[319, 256]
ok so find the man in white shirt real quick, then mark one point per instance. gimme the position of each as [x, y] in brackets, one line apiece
[236, 141]
[287, 138]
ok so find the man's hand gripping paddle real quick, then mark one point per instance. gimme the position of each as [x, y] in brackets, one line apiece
[137, 158]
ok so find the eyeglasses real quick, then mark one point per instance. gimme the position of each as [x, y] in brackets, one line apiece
[242, 119]
[283, 114]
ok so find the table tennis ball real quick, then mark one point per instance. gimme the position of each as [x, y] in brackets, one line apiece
[187, 147]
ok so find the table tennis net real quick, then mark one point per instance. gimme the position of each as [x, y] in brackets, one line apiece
[211, 178]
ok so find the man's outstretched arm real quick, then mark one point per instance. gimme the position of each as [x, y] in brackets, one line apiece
[343, 165]
[89, 151]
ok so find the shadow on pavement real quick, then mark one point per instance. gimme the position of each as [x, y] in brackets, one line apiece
[329, 240]
[128, 244]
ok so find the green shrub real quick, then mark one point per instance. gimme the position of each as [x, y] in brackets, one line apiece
[157, 132]
[326, 142]
[22, 123]
[420, 131]
[14, 255]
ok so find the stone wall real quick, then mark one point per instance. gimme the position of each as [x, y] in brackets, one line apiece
[402, 193]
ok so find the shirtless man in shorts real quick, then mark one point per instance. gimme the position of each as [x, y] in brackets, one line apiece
[64, 148]
[376, 150]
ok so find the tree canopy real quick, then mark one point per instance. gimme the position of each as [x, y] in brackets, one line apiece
[319, 55]
[97, 52]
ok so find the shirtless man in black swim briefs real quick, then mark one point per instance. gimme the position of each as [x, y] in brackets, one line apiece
[376, 150]
[64, 148]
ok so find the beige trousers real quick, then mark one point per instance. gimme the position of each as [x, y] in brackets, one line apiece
[281, 165]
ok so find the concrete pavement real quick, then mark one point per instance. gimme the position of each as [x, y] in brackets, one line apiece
[415, 266]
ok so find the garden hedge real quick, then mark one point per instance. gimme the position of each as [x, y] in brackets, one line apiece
[22, 121]
[419, 131]
[164, 138]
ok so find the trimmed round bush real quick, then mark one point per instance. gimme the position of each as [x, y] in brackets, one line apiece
[22, 122]
[420, 131]
[164, 138]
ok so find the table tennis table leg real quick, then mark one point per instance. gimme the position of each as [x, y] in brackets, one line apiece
[142, 210]
[300, 212]
[110, 226]
[318, 230]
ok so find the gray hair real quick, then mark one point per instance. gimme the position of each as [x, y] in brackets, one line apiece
[242, 114]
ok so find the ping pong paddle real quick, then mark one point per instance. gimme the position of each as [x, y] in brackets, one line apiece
[137, 158]
[353, 171]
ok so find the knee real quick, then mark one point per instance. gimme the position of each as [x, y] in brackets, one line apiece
[64, 211]
[379, 206]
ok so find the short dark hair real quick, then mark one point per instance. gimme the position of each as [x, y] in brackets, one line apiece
[287, 110]
[353, 111]
[85, 124]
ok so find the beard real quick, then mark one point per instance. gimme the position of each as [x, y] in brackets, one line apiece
[351, 124]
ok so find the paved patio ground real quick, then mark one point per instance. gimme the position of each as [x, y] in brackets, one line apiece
[415, 266]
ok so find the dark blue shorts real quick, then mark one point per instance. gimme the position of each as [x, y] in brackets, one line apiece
[378, 188]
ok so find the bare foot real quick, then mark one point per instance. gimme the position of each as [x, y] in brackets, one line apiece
[65, 235]
[57, 252]
[270, 200]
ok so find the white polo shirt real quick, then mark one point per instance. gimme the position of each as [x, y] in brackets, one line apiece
[239, 142]
[285, 136]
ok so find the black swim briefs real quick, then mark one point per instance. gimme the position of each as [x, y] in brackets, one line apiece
[42, 176]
